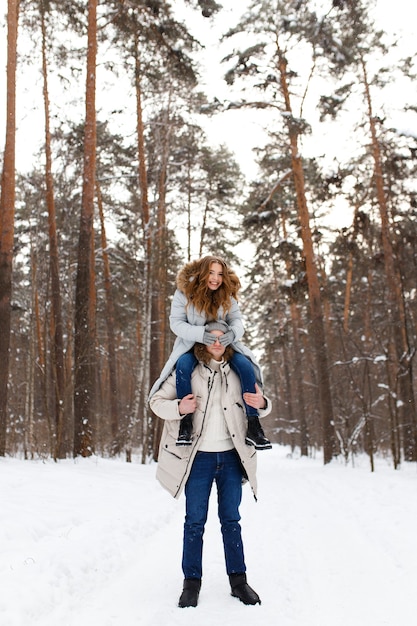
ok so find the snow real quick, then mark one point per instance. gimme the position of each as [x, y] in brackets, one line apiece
[98, 542]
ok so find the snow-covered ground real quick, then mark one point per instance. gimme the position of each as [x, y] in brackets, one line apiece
[97, 542]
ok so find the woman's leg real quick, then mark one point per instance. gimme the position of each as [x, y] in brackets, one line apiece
[183, 370]
[242, 366]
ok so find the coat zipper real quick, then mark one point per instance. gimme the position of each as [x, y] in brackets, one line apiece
[192, 455]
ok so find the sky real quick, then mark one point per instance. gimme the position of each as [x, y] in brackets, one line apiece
[98, 542]
[240, 130]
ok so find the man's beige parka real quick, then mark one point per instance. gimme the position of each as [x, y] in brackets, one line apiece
[174, 462]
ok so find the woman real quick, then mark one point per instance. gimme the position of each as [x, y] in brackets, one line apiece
[207, 290]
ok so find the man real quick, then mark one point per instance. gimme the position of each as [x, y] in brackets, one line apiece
[218, 454]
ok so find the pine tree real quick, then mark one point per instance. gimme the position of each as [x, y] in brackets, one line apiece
[7, 212]
[85, 301]
[265, 65]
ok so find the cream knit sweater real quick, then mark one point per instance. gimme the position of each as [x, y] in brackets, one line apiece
[216, 437]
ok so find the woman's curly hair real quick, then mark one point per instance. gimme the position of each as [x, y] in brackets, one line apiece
[192, 281]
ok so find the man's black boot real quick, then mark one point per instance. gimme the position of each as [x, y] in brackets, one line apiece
[190, 592]
[186, 429]
[241, 589]
[255, 435]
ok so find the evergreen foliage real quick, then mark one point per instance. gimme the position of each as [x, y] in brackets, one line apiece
[165, 195]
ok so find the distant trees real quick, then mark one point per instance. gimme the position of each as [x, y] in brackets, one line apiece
[98, 225]
[354, 25]
[286, 45]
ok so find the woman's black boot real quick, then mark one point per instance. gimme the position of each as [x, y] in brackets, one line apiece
[186, 429]
[241, 589]
[255, 435]
[190, 593]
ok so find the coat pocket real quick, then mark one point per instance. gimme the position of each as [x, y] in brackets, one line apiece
[172, 467]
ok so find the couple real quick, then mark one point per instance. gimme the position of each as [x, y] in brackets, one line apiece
[220, 447]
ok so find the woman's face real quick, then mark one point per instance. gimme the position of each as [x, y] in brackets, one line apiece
[215, 277]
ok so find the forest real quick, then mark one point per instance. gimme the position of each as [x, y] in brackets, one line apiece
[126, 186]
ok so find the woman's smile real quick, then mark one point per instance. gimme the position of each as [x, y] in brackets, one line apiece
[215, 278]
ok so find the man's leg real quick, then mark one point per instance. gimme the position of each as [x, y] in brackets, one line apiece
[229, 495]
[197, 494]
[229, 489]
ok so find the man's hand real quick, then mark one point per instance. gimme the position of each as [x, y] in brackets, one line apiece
[187, 405]
[255, 400]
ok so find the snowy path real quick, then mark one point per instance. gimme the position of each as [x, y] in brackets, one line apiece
[98, 542]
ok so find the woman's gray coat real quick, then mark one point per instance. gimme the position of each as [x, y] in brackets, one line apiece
[188, 325]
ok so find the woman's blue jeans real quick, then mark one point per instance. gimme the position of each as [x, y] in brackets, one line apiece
[225, 469]
[239, 363]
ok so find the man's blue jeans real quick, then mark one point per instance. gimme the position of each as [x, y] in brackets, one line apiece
[239, 363]
[225, 469]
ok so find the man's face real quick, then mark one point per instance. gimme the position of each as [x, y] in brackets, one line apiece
[216, 349]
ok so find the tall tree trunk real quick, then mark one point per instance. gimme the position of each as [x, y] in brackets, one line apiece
[189, 210]
[369, 424]
[287, 387]
[203, 226]
[145, 313]
[58, 367]
[41, 361]
[111, 343]
[349, 271]
[296, 356]
[159, 313]
[84, 326]
[7, 211]
[29, 440]
[317, 322]
[399, 350]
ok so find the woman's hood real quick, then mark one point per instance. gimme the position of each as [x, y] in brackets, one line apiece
[186, 275]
